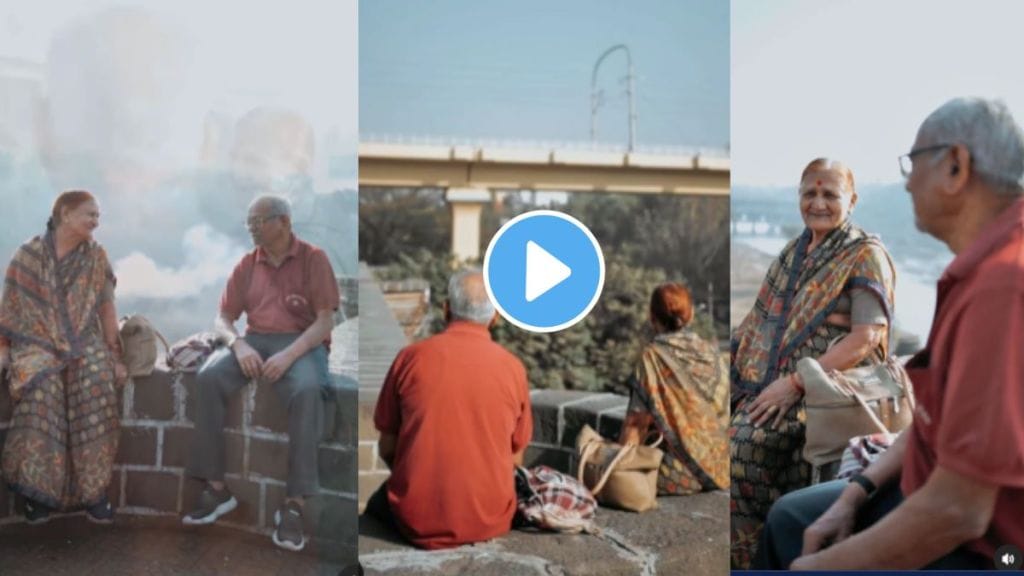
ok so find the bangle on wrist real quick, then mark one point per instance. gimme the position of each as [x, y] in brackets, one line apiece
[794, 378]
[869, 487]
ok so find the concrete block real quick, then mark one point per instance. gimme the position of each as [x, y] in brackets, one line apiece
[547, 406]
[137, 445]
[268, 458]
[338, 469]
[269, 411]
[369, 483]
[367, 456]
[157, 490]
[554, 457]
[249, 501]
[154, 396]
[177, 446]
[273, 499]
[577, 415]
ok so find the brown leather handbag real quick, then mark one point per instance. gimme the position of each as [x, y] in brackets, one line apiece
[856, 402]
[624, 477]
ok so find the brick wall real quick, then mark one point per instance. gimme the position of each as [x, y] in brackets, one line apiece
[558, 417]
[158, 412]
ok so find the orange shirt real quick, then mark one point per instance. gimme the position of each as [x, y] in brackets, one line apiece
[285, 299]
[459, 405]
[970, 413]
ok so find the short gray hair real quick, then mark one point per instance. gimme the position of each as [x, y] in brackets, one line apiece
[988, 130]
[278, 205]
[467, 297]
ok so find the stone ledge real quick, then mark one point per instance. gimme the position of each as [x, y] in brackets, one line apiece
[156, 430]
[684, 535]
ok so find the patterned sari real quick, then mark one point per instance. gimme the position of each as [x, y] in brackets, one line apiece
[64, 429]
[788, 323]
[681, 382]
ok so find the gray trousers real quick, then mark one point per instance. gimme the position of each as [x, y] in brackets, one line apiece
[783, 534]
[300, 389]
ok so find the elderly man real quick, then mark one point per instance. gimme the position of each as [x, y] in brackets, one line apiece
[950, 491]
[288, 291]
[454, 418]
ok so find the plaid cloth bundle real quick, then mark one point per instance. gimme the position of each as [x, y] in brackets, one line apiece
[188, 354]
[554, 501]
[862, 451]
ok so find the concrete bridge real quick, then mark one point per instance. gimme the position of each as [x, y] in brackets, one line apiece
[472, 173]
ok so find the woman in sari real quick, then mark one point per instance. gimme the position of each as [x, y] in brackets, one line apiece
[59, 343]
[680, 388]
[828, 296]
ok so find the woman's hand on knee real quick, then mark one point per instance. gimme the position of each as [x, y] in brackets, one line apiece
[772, 404]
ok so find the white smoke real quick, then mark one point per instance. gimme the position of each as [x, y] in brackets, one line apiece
[209, 258]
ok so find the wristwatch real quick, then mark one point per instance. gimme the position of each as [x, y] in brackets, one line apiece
[865, 483]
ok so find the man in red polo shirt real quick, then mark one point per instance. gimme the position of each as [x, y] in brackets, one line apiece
[950, 491]
[289, 293]
[454, 418]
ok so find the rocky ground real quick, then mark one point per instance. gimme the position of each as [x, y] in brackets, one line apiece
[685, 535]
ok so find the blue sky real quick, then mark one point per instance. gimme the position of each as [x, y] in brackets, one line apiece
[522, 70]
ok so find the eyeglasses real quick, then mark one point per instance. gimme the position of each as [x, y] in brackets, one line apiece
[907, 160]
[259, 221]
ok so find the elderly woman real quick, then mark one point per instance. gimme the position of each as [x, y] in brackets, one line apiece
[59, 343]
[828, 296]
[681, 390]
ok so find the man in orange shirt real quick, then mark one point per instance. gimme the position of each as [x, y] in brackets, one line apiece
[950, 491]
[454, 418]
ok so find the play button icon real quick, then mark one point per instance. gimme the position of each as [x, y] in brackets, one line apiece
[544, 271]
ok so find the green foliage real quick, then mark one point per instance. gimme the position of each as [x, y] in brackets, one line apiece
[599, 353]
[393, 221]
[646, 239]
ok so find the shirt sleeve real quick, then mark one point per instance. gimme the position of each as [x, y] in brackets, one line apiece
[324, 294]
[524, 425]
[387, 416]
[866, 308]
[232, 301]
[981, 428]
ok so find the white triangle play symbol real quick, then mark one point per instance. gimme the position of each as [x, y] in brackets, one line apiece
[543, 271]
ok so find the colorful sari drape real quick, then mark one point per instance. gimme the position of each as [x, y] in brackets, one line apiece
[681, 382]
[63, 434]
[788, 323]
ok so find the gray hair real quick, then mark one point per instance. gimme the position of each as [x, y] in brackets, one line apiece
[467, 297]
[277, 205]
[989, 132]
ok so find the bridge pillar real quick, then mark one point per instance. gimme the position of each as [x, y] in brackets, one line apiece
[467, 207]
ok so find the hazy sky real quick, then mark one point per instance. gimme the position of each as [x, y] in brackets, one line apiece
[854, 79]
[522, 70]
[299, 55]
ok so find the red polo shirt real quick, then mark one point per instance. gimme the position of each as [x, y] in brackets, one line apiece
[970, 416]
[284, 299]
[460, 407]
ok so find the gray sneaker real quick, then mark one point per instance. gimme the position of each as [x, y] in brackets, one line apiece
[288, 527]
[212, 505]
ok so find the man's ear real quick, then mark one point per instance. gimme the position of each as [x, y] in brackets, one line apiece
[961, 167]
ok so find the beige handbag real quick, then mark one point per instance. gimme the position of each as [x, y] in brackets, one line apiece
[623, 477]
[138, 345]
[856, 402]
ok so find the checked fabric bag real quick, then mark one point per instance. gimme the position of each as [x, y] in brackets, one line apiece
[554, 501]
